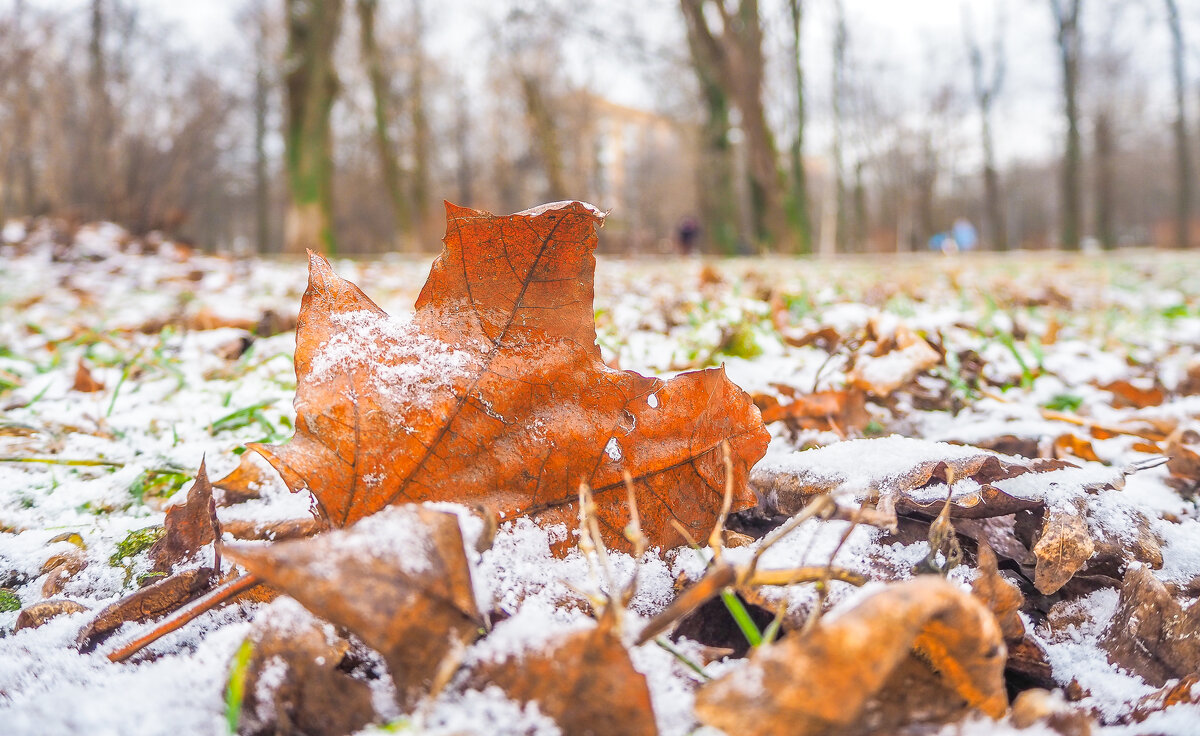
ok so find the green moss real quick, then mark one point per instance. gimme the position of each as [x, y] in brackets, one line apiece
[9, 601]
[135, 543]
[742, 342]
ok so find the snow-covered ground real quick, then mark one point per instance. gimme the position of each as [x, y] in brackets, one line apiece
[193, 357]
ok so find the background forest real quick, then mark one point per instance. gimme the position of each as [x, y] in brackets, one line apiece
[782, 125]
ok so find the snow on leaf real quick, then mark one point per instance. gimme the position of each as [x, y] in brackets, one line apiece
[495, 393]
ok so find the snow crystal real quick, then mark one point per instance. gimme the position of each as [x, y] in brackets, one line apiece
[487, 712]
[395, 534]
[562, 204]
[859, 465]
[404, 363]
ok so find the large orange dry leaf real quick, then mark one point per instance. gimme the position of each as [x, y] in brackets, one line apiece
[495, 393]
[920, 651]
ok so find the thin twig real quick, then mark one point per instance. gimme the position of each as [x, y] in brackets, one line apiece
[715, 539]
[184, 615]
[819, 506]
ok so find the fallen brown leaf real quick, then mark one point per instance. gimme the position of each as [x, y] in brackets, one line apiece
[84, 382]
[1061, 549]
[884, 374]
[188, 526]
[1001, 596]
[60, 568]
[1038, 706]
[840, 411]
[399, 580]
[154, 600]
[496, 393]
[918, 651]
[585, 682]
[1183, 692]
[1125, 394]
[295, 682]
[1151, 634]
[42, 611]
[273, 531]
[246, 481]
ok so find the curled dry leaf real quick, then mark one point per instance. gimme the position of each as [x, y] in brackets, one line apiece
[274, 531]
[898, 469]
[1039, 706]
[246, 481]
[42, 611]
[585, 682]
[398, 579]
[917, 651]
[84, 382]
[1183, 449]
[495, 393]
[882, 375]
[841, 411]
[1062, 548]
[188, 526]
[149, 602]
[1126, 394]
[1151, 634]
[1182, 692]
[61, 568]
[294, 682]
[1001, 596]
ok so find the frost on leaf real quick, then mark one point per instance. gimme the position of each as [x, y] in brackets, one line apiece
[494, 393]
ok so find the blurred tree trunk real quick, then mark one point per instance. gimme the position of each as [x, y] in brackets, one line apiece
[718, 196]
[312, 85]
[1105, 180]
[262, 179]
[862, 224]
[838, 85]
[734, 60]
[1183, 171]
[986, 90]
[462, 138]
[97, 171]
[422, 140]
[381, 92]
[1068, 36]
[798, 204]
[545, 137]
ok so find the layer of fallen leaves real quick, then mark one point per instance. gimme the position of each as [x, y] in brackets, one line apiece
[994, 556]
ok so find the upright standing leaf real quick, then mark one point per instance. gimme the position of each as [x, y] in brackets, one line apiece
[495, 393]
[189, 525]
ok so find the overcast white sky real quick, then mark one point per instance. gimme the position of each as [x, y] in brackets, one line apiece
[905, 49]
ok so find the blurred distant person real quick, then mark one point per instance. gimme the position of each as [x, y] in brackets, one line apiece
[964, 234]
[687, 234]
[943, 243]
